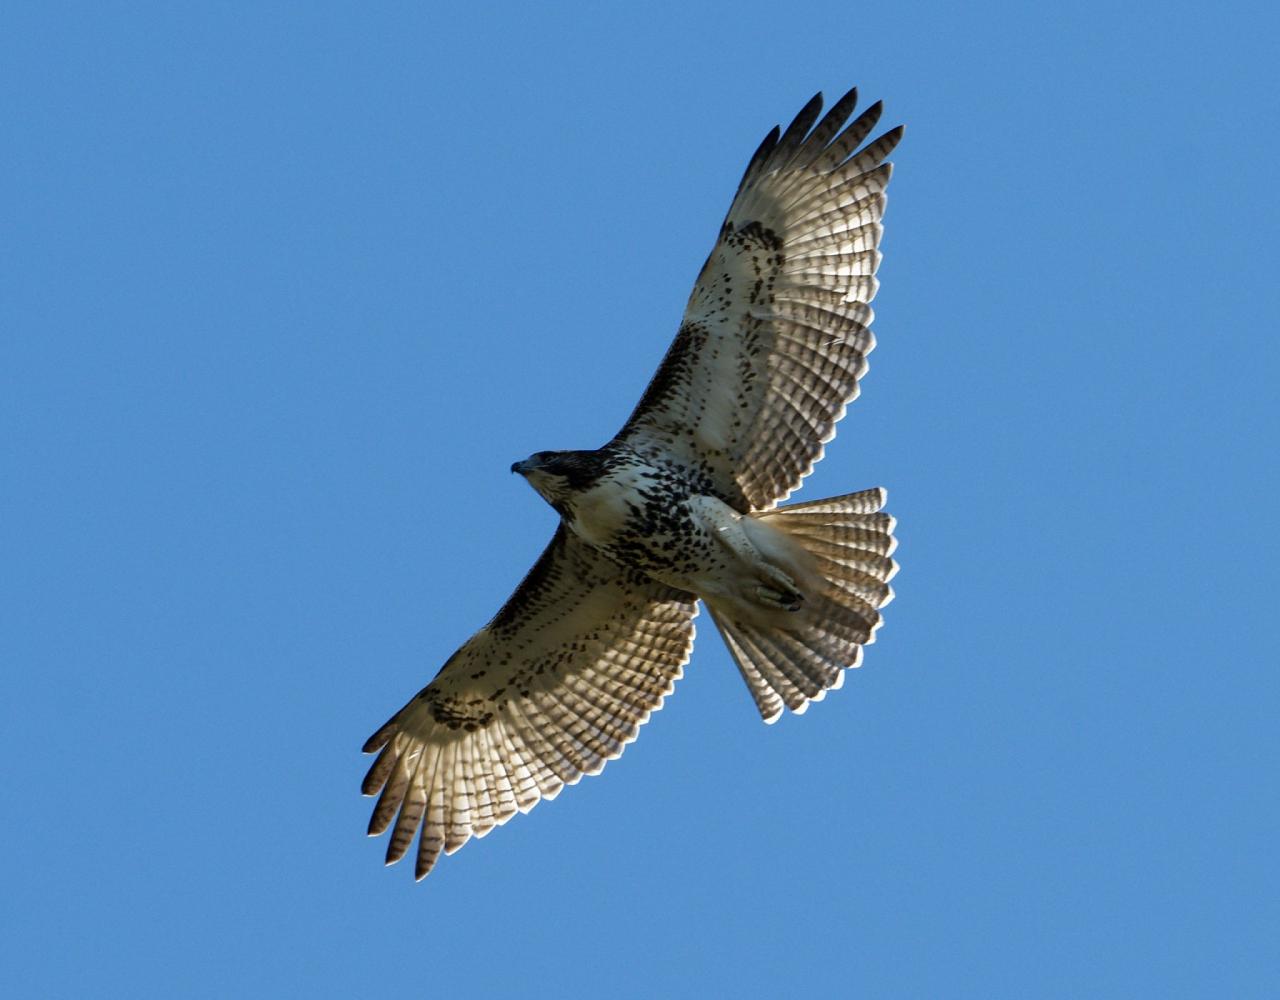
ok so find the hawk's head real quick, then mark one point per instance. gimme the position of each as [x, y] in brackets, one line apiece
[558, 475]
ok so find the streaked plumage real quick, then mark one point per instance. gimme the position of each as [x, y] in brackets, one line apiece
[681, 505]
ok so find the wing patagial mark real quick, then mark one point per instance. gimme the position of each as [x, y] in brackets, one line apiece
[769, 352]
[803, 229]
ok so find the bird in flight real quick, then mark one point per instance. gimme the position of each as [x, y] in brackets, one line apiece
[681, 505]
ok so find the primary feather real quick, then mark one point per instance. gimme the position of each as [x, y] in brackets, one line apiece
[680, 505]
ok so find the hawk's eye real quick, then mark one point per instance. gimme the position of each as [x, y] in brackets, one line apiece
[671, 511]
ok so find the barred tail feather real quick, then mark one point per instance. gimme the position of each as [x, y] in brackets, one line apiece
[849, 542]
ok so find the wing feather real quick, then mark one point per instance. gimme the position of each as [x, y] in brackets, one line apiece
[827, 129]
[776, 332]
[553, 688]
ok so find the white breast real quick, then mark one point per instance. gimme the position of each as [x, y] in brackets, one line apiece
[602, 511]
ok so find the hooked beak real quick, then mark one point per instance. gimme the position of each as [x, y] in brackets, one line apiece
[522, 467]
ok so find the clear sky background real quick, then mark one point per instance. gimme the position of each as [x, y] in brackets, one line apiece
[286, 289]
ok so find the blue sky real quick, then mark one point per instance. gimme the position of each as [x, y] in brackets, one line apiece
[286, 289]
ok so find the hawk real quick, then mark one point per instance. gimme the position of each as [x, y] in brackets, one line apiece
[680, 506]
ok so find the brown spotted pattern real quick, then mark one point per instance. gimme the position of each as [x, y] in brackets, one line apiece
[770, 350]
[776, 333]
[556, 685]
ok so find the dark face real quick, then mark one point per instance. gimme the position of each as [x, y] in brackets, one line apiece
[557, 475]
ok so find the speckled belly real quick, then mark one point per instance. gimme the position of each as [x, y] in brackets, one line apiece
[647, 519]
[686, 541]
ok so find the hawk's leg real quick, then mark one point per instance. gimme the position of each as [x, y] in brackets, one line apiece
[789, 600]
[765, 582]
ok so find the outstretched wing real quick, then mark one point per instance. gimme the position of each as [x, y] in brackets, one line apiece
[556, 685]
[777, 330]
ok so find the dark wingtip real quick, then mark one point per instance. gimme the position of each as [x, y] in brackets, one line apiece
[379, 739]
[762, 152]
[371, 784]
[766, 145]
[799, 128]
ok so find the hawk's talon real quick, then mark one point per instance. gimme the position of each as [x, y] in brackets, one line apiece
[787, 600]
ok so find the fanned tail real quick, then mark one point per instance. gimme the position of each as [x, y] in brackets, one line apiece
[849, 542]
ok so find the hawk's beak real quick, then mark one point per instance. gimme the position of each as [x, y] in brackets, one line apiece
[520, 467]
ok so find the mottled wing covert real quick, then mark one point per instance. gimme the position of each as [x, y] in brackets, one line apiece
[777, 330]
[556, 685]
